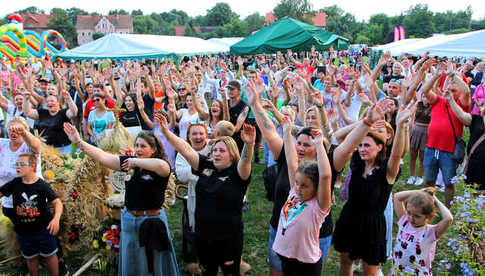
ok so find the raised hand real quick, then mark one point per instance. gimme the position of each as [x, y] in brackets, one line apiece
[162, 122]
[72, 133]
[248, 134]
[317, 137]
[268, 105]
[286, 124]
[375, 113]
[405, 113]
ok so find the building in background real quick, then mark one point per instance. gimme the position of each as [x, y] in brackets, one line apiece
[319, 19]
[36, 22]
[87, 25]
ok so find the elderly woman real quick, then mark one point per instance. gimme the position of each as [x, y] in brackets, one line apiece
[49, 121]
[21, 141]
[220, 190]
[147, 179]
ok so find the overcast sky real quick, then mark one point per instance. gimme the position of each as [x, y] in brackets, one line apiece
[362, 9]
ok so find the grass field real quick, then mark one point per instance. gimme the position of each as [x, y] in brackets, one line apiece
[256, 223]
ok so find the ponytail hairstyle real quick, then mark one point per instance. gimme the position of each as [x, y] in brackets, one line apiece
[154, 143]
[424, 200]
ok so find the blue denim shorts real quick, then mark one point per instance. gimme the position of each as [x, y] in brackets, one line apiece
[275, 261]
[435, 160]
[42, 243]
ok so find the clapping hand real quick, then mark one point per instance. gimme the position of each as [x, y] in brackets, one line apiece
[405, 113]
[317, 137]
[286, 124]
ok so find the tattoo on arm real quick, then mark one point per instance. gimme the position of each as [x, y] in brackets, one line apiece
[244, 153]
[265, 120]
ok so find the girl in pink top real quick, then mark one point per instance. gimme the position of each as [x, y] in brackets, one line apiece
[308, 204]
[478, 98]
[416, 239]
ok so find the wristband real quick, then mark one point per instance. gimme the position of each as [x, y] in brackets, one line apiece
[367, 123]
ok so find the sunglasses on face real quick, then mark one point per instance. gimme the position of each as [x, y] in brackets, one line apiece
[96, 100]
[22, 164]
[181, 89]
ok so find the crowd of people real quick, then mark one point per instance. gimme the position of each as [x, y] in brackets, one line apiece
[208, 119]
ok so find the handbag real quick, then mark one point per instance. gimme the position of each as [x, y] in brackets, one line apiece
[460, 145]
[475, 146]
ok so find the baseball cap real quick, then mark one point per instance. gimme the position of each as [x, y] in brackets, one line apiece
[234, 84]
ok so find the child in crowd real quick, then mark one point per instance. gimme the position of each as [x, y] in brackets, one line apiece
[33, 222]
[416, 239]
[308, 203]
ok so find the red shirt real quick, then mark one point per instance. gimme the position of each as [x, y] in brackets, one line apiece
[308, 69]
[440, 133]
[90, 106]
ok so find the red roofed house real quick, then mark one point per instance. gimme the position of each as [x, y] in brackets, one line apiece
[319, 19]
[36, 22]
[87, 25]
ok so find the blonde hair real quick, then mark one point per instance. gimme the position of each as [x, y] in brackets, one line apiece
[225, 128]
[287, 109]
[18, 120]
[317, 113]
[231, 147]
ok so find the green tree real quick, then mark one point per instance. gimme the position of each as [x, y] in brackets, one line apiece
[115, 12]
[74, 12]
[97, 35]
[31, 9]
[342, 23]
[478, 24]
[384, 22]
[254, 22]
[144, 24]
[189, 30]
[419, 21]
[297, 9]
[220, 14]
[136, 12]
[62, 23]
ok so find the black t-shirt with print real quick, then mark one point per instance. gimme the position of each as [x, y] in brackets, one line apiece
[477, 159]
[51, 127]
[132, 119]
[32, 213]
[219, 197]
[282, 190]
[144, 190]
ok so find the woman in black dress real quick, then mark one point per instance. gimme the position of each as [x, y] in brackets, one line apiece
[223, 180]
[360, 231]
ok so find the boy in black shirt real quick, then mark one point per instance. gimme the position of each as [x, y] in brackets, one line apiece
[34, 224]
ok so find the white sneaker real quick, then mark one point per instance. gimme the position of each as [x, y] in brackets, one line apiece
[419, 181]
[379, 272]
[411, 180]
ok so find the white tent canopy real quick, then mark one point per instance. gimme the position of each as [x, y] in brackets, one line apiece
[471, 44]
[226, 41]
[132, 46]
[179, 45]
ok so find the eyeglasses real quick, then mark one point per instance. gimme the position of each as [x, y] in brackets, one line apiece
[96, 100]
[22, 164]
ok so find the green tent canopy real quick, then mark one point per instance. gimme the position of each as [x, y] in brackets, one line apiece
[288, 33]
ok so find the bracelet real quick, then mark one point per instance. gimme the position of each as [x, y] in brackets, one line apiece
[367, 123]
